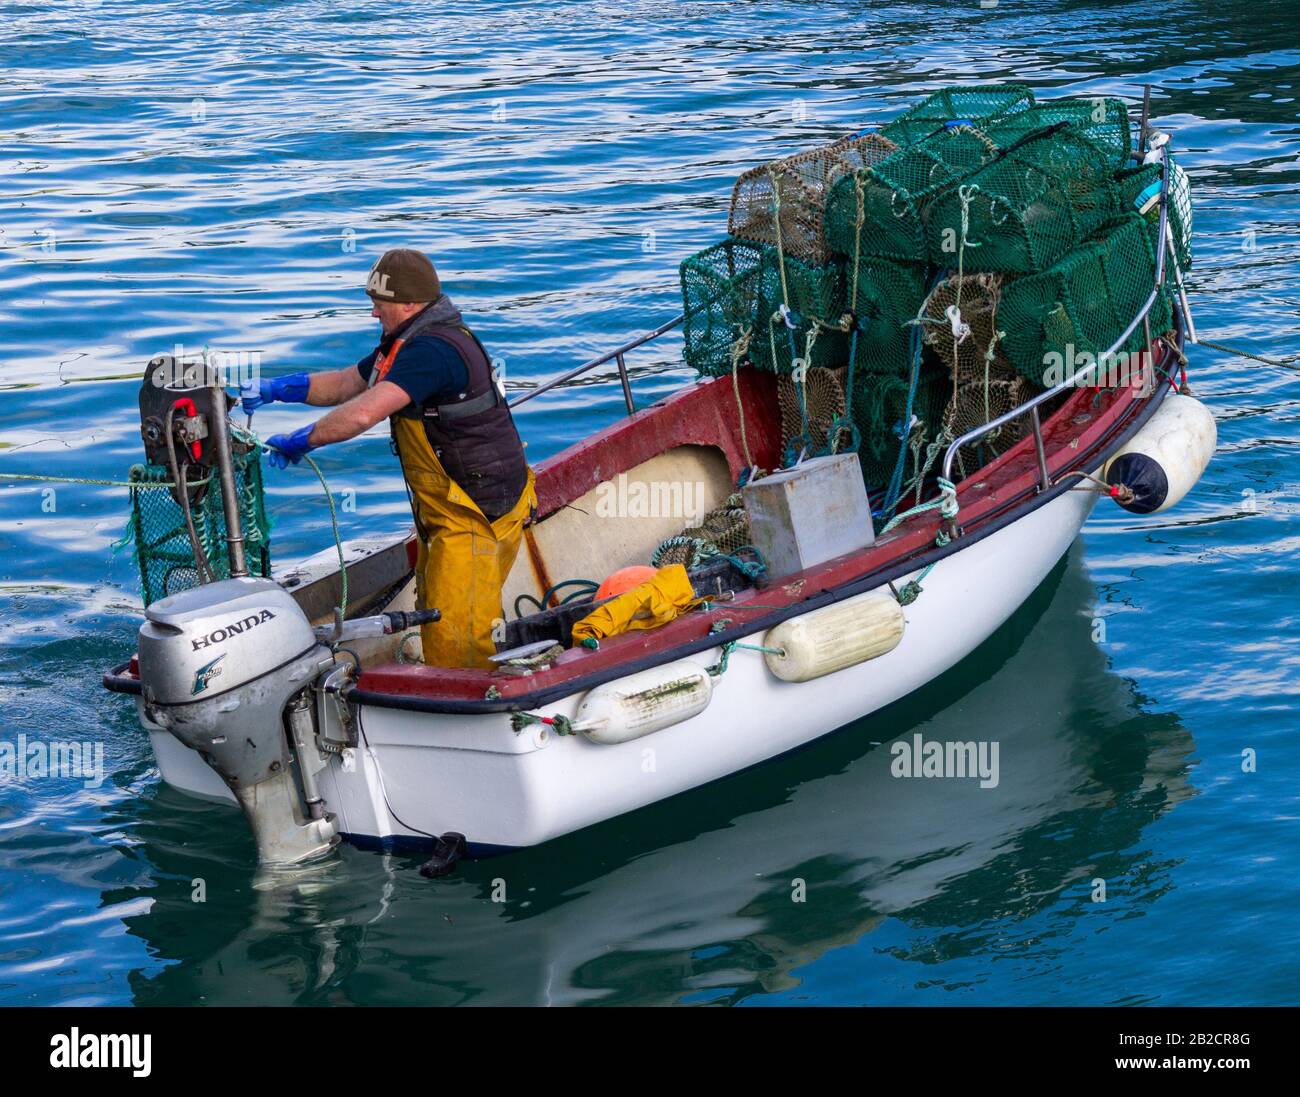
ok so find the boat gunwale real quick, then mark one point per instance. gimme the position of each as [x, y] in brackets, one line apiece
[436, 689]
[1026, 501]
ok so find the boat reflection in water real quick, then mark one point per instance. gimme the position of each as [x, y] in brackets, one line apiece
[693, 899]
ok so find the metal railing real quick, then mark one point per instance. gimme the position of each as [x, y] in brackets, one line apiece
[618, 355]
[1030, 407]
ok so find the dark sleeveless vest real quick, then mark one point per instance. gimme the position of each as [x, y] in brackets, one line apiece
[474, 436]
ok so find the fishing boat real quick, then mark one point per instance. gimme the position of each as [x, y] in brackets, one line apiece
[581, 920]
[291, 695]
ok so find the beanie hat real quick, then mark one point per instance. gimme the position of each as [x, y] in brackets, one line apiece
[403, 276]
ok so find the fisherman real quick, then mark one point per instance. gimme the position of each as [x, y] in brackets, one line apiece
[470, 486]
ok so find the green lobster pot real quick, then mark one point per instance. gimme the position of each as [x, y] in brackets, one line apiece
[720, 300]
[1103, 121]
[879, 410]
[1133, 183]
[815, 293]
[975, 103]
[1082, 304]
[889, 295]
[879, 211]
[1038, 200]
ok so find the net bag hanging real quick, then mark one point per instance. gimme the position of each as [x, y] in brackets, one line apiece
[1080, 306]
[896, 192]
[1020, 213]
[162, 544]
[1103, 121]
[974, 103]
[797, 187]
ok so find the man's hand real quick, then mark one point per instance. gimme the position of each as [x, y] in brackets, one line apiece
[287, 449]
[292, 389]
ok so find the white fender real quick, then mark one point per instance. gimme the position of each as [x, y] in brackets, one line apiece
[1162, 462]
[834, 637]
[646, 701]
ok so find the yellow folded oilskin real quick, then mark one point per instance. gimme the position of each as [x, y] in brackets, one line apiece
[656, 602]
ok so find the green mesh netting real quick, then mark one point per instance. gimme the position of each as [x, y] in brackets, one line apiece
[798, 186]
[162, 545]
[1020, 213]
[879, 211]
[811, 293]
[720, 300]
[879, 407]
[1082, 305]
[732, 294]
[1137, 187]
[1038, 192]
[889, 295]
[1103, 121]
[975, 103]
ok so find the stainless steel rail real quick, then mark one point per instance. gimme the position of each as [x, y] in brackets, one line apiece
[618, 356]
[1030, 407]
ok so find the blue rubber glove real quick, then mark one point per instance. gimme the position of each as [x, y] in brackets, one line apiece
[286, 390]
[288, 449]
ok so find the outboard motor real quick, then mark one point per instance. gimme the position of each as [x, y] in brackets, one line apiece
[233, 668]
[228, 669]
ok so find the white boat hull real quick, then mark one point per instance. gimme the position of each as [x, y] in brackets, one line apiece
[415, 775]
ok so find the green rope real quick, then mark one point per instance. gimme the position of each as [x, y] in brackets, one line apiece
[720, 667]
[338, 540]
[251, 437]
[912, 588]
[100, 483]
[945, 504]
[798, 375]
[1285, 363]
[561, 725]
[585, 587]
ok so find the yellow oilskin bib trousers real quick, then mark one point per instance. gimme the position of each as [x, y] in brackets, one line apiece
[463, 559]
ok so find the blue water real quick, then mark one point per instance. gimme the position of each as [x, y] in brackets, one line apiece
[222, 176]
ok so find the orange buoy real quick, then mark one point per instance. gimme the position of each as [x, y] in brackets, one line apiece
[623, 580]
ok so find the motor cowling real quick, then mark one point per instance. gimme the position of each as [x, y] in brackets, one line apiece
[219, 666]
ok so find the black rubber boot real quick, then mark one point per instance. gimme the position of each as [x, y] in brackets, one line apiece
[447, 852]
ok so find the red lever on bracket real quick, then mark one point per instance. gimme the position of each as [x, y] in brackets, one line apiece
[187, 406]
